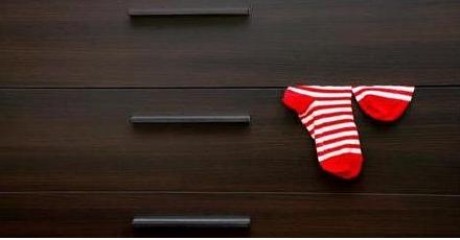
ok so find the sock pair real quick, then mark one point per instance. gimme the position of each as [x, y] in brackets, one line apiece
[327, 114]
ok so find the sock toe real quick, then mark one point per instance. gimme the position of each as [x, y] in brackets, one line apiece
[345, 166]
[383, 109]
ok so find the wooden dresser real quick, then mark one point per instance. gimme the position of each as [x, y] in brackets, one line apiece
[73, 73]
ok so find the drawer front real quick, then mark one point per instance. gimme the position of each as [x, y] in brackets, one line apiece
[96, 44]
[75, 140]
[329, 215]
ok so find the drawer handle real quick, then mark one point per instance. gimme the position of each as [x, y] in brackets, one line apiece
[239, 222]
[137, 12]
[237, 119]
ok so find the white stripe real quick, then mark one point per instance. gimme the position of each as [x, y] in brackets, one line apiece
[325, 111]
[331, 119]
[328, 87]
[337, 144]
[332, 102]
[390, 87]
[331, 110]
[307, 119]
[325, 103]
[385, 95]
[337, 135]
[333, 127]
[339, 152]
[318, 94]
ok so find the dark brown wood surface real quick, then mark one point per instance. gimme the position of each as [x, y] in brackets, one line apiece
[283, 215]
[76, 43]
[82, 140]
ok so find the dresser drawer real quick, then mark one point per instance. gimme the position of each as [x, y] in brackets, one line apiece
[75, 140]
[76, 43]
[272, 215]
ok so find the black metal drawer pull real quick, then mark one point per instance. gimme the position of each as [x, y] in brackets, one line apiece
[240, 222]
[137, 12]
[238, 119]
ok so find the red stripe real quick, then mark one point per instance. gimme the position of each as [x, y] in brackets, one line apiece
[320, 98]
[336, 131]
[316, 108]
[326, 116]
[332, 98]
[320, 90]
[336, 140]
[332, 123]
[338, 148]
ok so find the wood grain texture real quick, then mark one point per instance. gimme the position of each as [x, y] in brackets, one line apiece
[309, 215]
[77, 43]
[82, 140]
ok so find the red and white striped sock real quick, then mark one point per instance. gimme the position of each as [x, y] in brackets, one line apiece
[384, 103]
[327, 114]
